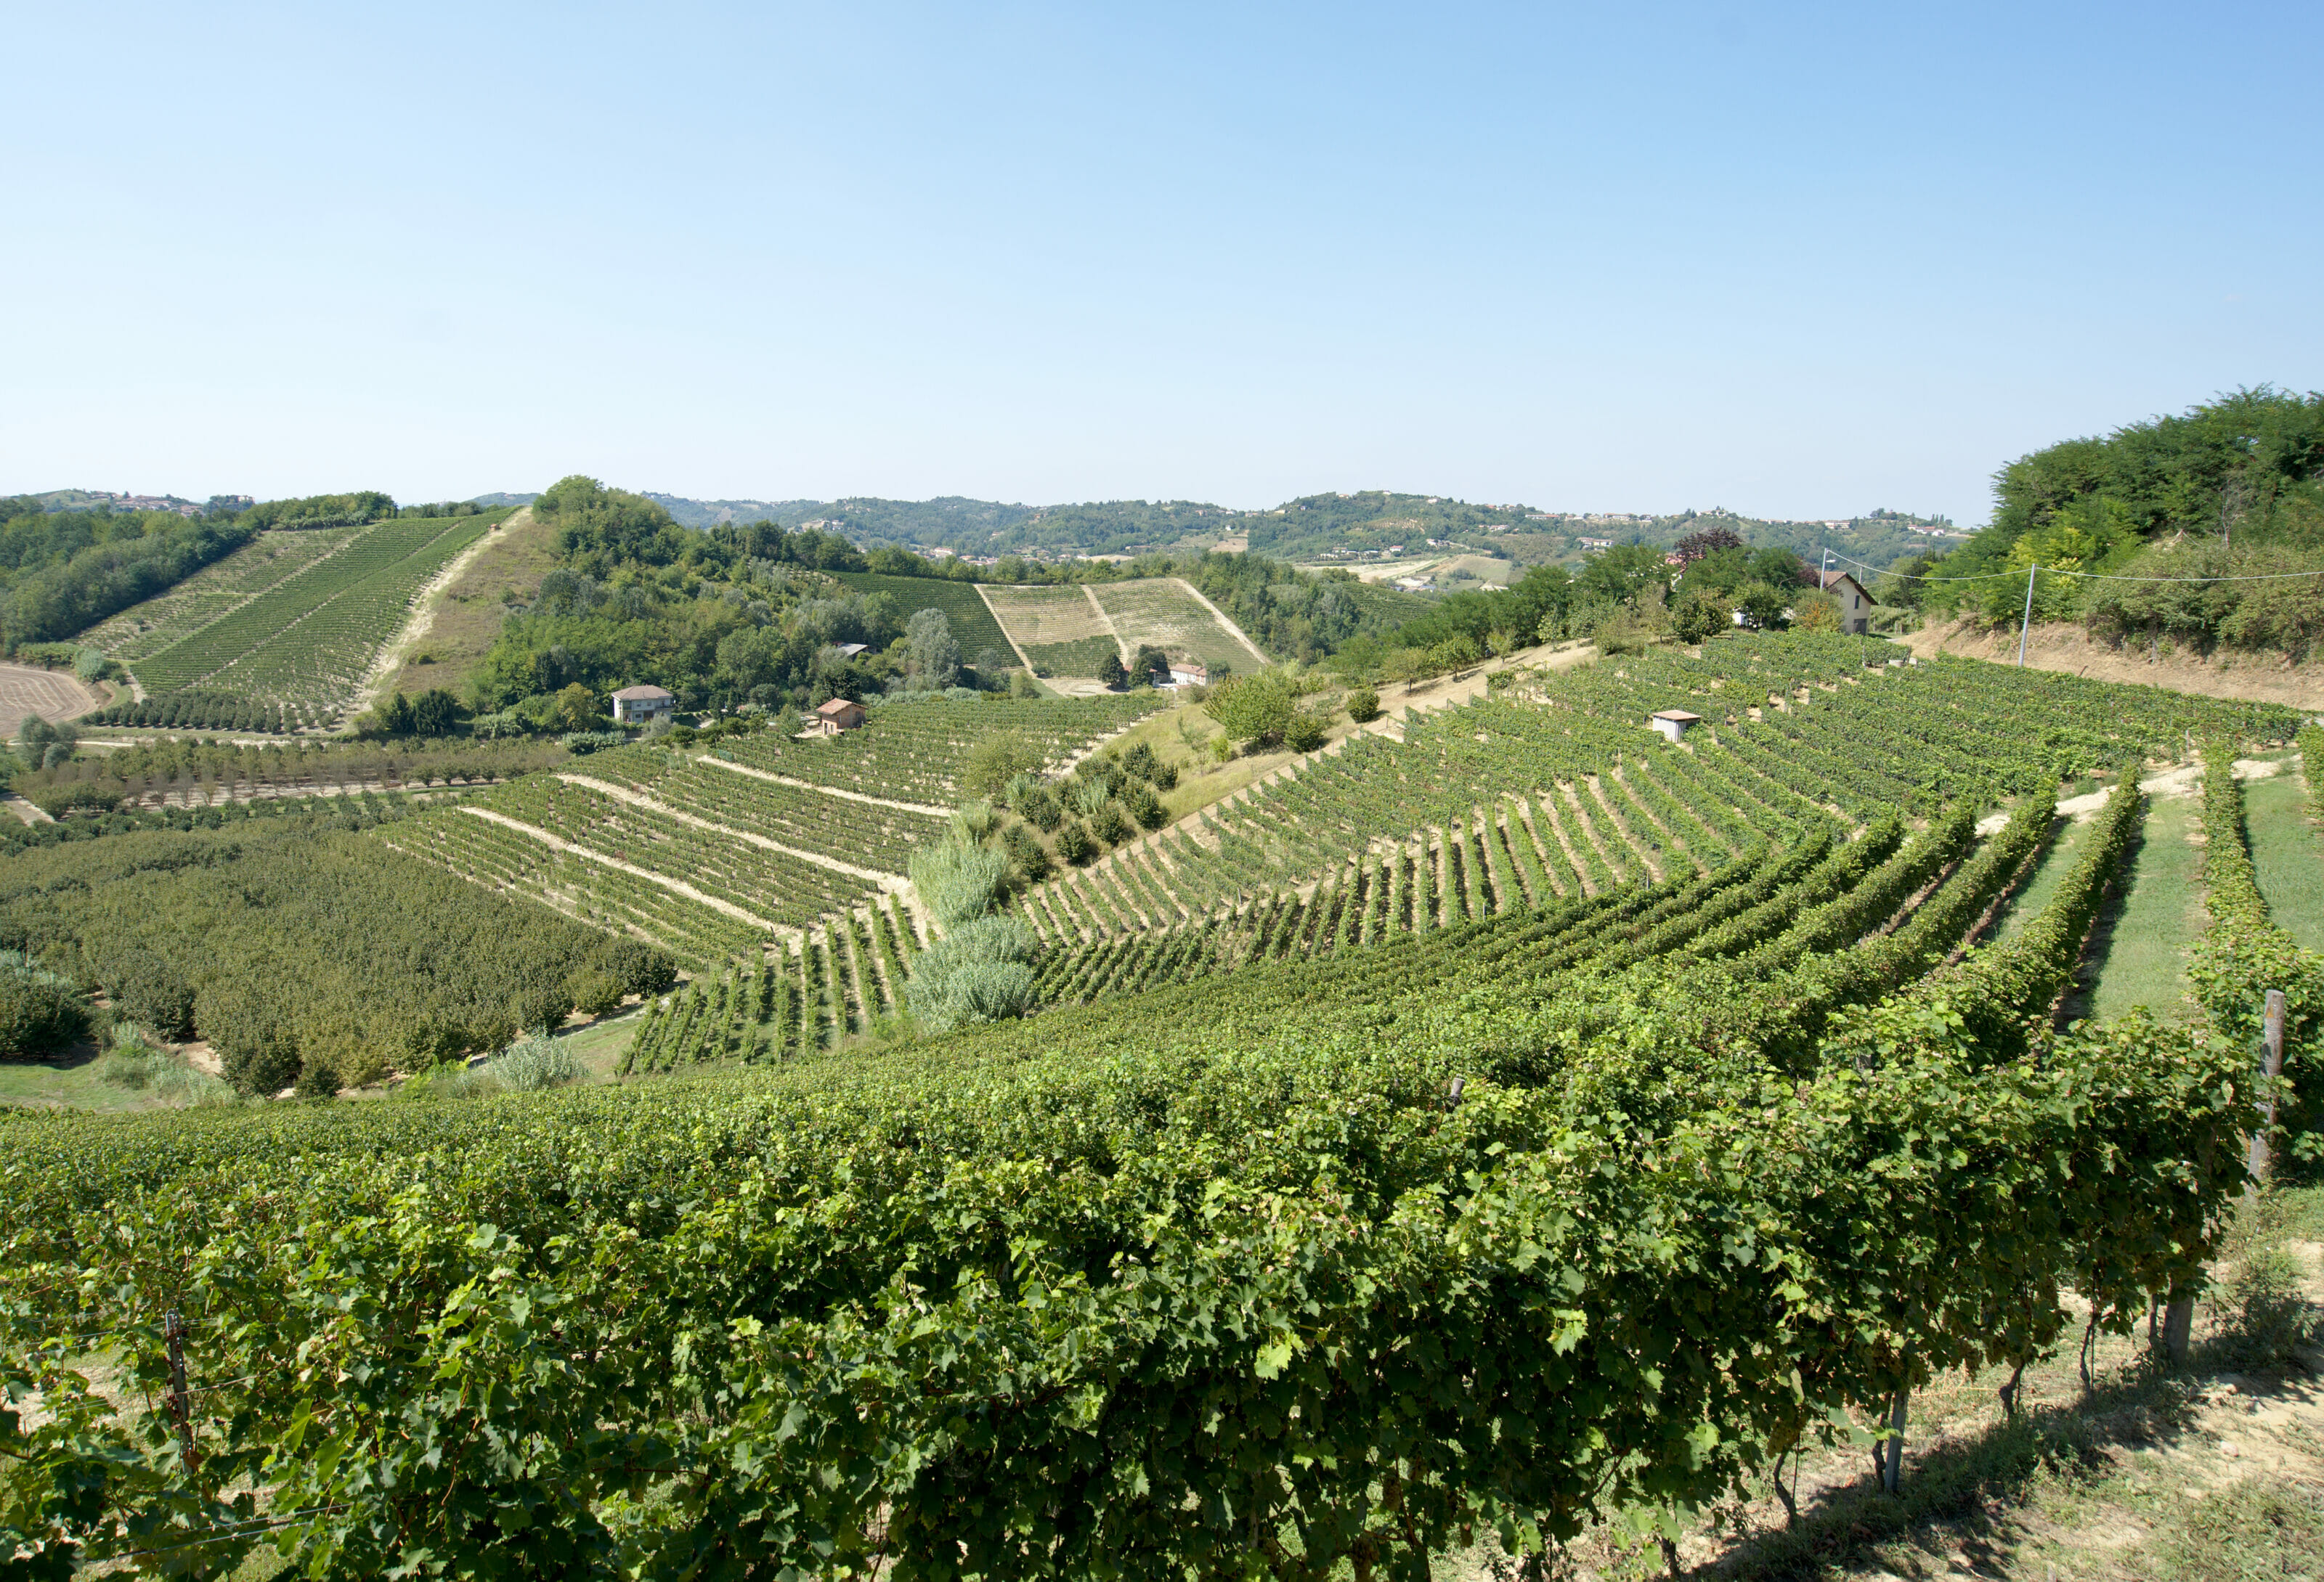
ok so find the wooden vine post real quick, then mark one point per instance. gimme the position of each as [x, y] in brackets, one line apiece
[180, 1401]
[2259, 1165]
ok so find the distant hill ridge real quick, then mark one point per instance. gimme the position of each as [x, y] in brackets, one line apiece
[1316, 527]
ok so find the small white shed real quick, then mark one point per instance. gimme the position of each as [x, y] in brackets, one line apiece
[1674, 723]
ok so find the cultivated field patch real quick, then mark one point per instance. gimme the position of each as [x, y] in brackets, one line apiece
[1047, 617]
[1083, 660]
[153, 625]
[312, 638]
[52, 695]
[1162, 611]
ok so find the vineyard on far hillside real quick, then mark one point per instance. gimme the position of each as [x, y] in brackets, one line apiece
[1507, 1122]
[972, 626]
[713, 852]
[261, 650]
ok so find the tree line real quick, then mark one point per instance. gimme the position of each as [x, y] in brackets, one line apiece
[2229, 488]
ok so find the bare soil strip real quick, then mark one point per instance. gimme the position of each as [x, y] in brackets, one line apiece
[721, 763]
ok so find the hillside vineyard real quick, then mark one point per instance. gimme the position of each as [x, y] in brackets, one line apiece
[1508, 1119]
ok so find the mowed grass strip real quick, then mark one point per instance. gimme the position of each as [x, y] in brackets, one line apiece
[2160, 914]
[2286, 851]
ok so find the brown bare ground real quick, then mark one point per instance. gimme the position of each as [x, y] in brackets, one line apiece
[2062, 646]
[26, 690]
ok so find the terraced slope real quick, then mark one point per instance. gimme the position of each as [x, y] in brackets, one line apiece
[715, 852]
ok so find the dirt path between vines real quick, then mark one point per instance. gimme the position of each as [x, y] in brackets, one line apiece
[389, 659]
[676, 886]
[886, 881]
[920, 807]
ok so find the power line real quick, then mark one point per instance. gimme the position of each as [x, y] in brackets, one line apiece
[1986, 576]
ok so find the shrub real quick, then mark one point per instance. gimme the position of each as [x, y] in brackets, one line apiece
[1138, 761]
[1145, 806]
[1363, 705]
[958, 880]
[1042, 809]
[1031, 858]
[1304, 731]
[40, 1011]
[977, 972]
[1089, 794]
[997, 760]
[1166, 776]
[533, 1064]
[1111, 824]
[1074, 844]
[594, 992]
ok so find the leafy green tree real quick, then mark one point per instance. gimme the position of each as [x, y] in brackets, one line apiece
[1762, 604]
[1151, 668]
[1618, 575]
[1700, 614]
[1780, 569]
[1113, 673]
[934, 655]
[435, 712]
[1250, 708]
[1363, 705]
[395, 715]
[1304, 731]
[576, 707]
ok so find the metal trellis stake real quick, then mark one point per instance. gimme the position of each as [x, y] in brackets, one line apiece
[2026, 624]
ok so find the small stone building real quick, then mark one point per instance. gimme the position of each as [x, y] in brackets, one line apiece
[634, 706]
[1674, 724]
[837, 715]
[1186, 673]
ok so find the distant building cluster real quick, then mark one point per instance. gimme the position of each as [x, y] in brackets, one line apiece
[159, 501]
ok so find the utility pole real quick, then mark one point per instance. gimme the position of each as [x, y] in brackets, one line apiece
[2027, 625]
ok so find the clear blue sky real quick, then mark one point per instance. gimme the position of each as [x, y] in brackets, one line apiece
[1799, 261]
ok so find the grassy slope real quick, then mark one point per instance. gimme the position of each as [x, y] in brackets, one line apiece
[469, 612]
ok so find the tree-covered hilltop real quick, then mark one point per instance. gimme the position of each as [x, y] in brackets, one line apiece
[2228, 489]
[1315, 528]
